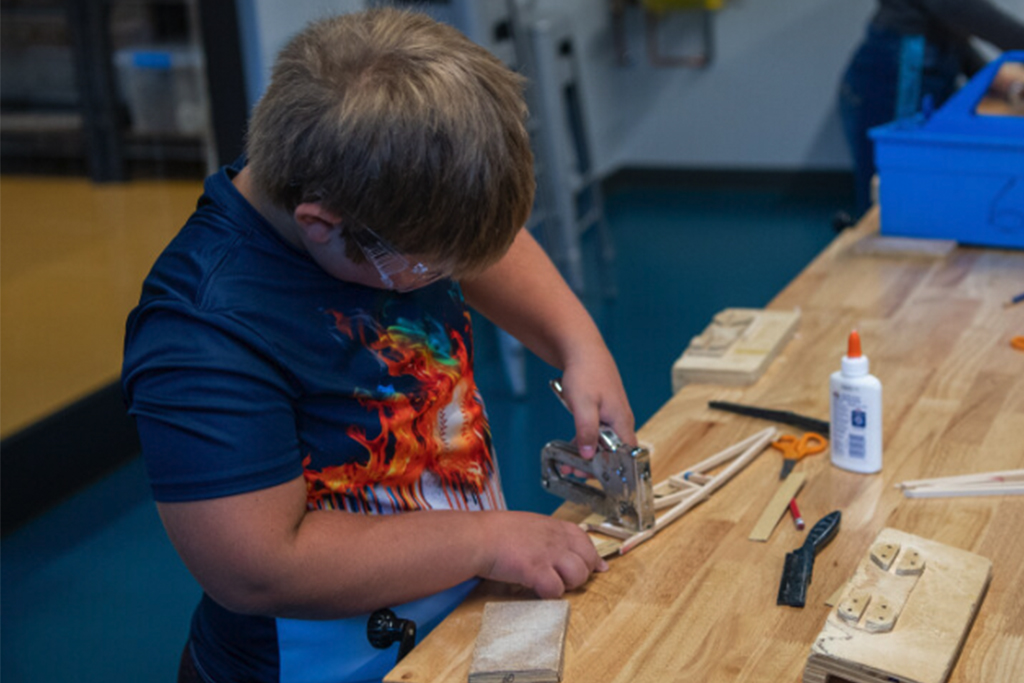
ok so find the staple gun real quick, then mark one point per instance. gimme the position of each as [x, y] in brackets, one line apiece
[618, 484]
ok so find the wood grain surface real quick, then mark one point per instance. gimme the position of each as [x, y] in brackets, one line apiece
[697, 602]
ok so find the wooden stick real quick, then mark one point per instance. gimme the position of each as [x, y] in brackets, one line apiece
[757, 444]
[722, 456]
[613, 530]
[981, 477]
[664, 501]
[1009, 488]
[776, 507]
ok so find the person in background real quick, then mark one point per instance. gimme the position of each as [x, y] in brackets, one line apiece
[913, 51]
[300, 364]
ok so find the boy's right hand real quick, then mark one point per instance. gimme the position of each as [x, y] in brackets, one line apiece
[549, 556]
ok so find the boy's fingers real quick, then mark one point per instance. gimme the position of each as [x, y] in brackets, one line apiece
[586, 430]
[573, 570]
[567, 471]
[549, 585]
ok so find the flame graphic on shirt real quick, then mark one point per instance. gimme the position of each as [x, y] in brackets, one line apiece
[441, 428]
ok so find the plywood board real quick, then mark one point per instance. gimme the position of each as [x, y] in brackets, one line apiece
[903, 616]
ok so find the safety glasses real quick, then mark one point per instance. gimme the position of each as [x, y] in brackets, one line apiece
[396, 271]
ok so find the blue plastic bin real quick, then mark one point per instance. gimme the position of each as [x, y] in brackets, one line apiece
[956, 174]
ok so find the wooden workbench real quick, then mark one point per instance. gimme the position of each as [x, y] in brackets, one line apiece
[697, 602]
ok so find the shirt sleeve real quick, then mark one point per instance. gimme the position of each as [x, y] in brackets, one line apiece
[213, 411]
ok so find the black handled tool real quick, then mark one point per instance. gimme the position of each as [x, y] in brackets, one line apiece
[796, 573]
[385, 629]
[810, 424]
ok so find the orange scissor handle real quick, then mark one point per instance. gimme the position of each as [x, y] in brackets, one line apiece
[1018, 343]
[794, 448]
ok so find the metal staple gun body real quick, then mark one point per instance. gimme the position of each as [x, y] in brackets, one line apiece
[623, 493]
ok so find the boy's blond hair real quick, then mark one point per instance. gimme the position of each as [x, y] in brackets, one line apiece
[403, 125]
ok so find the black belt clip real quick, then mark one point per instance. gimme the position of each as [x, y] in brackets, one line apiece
[384, 629]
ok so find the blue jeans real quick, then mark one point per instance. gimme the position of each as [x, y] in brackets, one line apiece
[869, 93]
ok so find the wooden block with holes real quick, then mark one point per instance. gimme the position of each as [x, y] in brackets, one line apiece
[736, 348]
[903, 616]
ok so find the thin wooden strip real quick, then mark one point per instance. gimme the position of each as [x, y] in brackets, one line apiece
[1004, 475]
[662, 502]
[777, 506]
[834, 599]
[609, 529]
[1009, 488]
[606, 547]
[725, 454]
[763, 438]
[686, 478]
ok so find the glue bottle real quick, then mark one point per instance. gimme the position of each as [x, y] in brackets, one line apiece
[856, 411]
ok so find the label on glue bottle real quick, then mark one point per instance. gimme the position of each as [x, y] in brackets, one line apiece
[856, 413]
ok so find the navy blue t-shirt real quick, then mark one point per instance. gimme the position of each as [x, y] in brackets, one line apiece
[247, 366]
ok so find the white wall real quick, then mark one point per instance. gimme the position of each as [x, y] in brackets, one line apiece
[768, 100]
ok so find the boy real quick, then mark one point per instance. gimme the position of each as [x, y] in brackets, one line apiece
[300, 362]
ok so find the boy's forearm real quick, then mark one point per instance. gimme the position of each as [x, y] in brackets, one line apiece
[344, 564]
[327, 564]
[525, 295]
[264, 553]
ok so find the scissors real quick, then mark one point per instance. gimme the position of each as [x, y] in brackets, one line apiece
[794, 448]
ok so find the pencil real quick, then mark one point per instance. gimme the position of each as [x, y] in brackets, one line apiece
[1014, 300]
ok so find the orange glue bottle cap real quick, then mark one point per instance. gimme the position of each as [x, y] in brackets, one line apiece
[855, 363]
[853, 345]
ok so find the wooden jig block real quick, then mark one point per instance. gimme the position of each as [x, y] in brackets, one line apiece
[883, 554]
[882, 615]
[736, 348]
[910, 563]
[903, 615]
[521, 641]
[852, 608]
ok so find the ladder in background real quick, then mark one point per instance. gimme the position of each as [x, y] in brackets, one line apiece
[570, 201]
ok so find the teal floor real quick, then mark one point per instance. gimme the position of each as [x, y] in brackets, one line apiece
[92, 591]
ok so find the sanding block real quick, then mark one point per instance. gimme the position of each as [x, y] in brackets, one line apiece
[521, 641]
